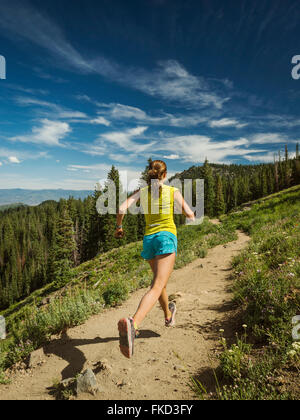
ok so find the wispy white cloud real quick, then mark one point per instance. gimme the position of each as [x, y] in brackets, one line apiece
[101, 121]
[27, 90]
[18, 156]
[13, 159]
[226, 122]
[98, 174]
[124, 139]
[264, 138]
[266, 157]
[172, 82]
[53, 110]
[196, 148]
[121, 112]
[130, 144]
[118, 157]
[21, 20]
[126, 112]
[96, 167]
[93, 149]
[169, 80]
[46, 76]
[12, 180]
[48, 133]
[120, 145]
[172, 157]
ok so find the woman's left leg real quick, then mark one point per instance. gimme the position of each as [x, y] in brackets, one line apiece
[163, 268]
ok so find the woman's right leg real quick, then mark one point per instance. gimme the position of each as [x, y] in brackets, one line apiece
[163, 269]
[163, 299]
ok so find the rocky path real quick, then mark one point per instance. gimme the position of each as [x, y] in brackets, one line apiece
[164, 358]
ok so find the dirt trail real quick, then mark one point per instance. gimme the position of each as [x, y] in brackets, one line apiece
[203, 303]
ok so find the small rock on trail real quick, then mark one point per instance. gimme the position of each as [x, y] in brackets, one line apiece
[87, 383]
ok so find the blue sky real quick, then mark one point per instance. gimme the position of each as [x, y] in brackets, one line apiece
[95, 83]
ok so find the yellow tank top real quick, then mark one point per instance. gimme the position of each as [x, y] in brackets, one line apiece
[159, 210]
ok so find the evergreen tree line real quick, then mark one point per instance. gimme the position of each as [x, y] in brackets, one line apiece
[40, 245]
[228, 186]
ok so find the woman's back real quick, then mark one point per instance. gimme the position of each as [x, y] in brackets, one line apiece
[158, 208]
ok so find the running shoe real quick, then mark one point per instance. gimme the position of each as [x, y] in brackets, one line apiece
[171, 321]
[127, 336]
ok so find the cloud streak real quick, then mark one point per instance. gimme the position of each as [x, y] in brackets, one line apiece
[53, 110]
[49, 133]
[226, 122]
[121, 112]
[17, 156]
[169, 80]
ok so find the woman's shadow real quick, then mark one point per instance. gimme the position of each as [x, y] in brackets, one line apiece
[66, 348]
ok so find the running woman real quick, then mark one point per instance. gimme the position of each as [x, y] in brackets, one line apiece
[159, 248]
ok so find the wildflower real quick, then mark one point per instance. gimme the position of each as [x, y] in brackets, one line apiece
[291, 275]
[296, 346]
[259, 271]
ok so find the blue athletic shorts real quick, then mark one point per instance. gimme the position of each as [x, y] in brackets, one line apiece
[159, 244]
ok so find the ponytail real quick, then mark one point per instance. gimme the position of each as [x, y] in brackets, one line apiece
[157, 171]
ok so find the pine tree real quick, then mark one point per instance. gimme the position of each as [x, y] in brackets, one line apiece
[276, 176]
[144, 175]
[220, 203]
[209, 189]
[287, 169]
[64, 248]
[296, 167]
[108, 221]
[264, 185]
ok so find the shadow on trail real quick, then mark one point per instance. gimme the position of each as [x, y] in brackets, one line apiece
[210, 330]
[148, 334]
[66, 348]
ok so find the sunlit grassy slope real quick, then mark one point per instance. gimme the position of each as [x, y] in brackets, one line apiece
[267, 291]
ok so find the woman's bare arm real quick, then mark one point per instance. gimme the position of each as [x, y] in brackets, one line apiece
[186, 210]
[133, 199]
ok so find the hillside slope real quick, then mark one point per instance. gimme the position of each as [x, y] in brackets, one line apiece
[155, 372]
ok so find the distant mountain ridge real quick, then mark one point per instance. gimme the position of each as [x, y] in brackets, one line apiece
[11, 206]
[35, 197]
